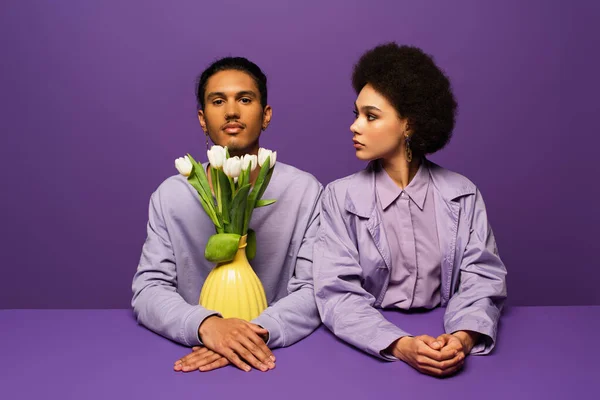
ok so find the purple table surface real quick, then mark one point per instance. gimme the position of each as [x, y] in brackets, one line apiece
[542, 353]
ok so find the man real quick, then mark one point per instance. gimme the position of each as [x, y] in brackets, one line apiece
[232, 94]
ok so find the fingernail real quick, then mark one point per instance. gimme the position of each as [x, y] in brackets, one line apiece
[273, 358]
[271, 365]
[247, 369]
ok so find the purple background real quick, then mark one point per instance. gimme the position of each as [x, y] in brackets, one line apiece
[97, 100]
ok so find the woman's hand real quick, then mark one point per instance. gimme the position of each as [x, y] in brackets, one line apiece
[428, 355]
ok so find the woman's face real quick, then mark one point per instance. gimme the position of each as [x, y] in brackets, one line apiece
[377, 128]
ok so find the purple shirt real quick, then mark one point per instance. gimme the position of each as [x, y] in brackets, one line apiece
[172, 268]
[408, 217]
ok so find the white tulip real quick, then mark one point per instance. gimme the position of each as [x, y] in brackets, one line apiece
[263, 154]
[216, 156]
[232, 167]
[184, 166]
[249, 159]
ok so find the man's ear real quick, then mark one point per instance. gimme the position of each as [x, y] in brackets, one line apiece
[202, 120]
[267, 115]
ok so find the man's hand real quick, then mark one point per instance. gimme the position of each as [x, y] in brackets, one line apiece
[427, 355]
[238, 341]
[201, 359]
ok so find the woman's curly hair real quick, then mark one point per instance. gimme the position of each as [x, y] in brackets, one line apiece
[419, 91]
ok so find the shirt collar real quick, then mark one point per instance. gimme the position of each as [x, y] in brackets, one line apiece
[388, 191]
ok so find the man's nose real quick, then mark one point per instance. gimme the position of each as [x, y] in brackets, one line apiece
[232, 110]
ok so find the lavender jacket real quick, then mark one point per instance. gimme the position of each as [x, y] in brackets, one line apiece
[352, 262]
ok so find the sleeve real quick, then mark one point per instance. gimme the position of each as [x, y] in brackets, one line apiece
[295, 316]
[481, 293]
[346, 308]
[156, 303]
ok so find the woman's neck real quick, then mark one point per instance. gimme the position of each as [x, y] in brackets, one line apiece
[400, 170]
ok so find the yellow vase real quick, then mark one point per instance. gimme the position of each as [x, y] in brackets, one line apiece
[233, 289]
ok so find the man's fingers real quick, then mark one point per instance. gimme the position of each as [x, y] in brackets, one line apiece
[190, 356]
[241, 349]
[208, 360]
[221, 362]
[258, 329]
[193, 363]
[237, 361]
[268, 358]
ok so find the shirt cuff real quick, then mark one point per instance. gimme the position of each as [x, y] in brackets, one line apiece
[192, 324]
[383, 341]
[486, 341]
[276, 335]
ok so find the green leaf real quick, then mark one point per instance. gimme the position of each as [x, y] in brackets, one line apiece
[238, 208]
[243, 178]
[263, 203]
[225, 188]
[222, 247]
[215, 183]
[266, 183]
[199, 181]
[264, 171]
[251, 245]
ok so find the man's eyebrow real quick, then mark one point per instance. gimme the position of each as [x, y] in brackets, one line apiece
[248, 93]
[215, 94]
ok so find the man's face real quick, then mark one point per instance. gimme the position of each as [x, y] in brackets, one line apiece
[233, 115]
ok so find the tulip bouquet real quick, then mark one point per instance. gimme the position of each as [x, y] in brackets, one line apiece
[234, 199]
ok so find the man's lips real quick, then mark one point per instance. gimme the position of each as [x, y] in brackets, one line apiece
[232, 127]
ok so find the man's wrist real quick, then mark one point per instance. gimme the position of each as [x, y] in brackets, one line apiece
[202, 328]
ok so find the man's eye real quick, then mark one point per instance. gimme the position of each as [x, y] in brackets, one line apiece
[245, 100]
[217, 102]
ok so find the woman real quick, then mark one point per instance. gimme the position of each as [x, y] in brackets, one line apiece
[406, 233]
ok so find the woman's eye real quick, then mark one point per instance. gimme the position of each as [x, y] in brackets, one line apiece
[355, 113]
[371, 117]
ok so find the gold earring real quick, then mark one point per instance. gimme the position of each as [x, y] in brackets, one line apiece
[408, 150]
